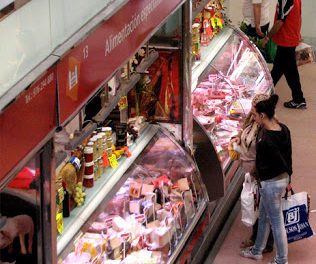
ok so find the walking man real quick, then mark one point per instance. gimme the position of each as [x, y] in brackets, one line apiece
[286, 34]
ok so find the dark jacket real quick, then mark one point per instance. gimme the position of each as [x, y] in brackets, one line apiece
[274, 153]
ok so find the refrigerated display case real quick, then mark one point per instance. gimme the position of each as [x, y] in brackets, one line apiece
[140, 212]
[231, 71]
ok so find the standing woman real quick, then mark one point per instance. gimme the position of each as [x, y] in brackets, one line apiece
[246, 139]
[273, 170]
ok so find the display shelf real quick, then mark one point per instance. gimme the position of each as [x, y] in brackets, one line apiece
[103, 188]
[201, 68]
[187, 233]
[124, 88]
[78, 138]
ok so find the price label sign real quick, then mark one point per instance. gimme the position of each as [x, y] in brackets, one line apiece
[105, 160]
[109, 222]
[125, 236]
[123, 103]
[113, 161]
[140, 218]
[128, 153]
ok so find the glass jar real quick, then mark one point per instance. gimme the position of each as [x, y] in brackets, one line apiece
[96, 169]
[88, 154]
[103, 137]
[99, 145]
[107, 131]
[100, 166]
[93, 143]
[88, 178]
[109, 152]
[109, 143]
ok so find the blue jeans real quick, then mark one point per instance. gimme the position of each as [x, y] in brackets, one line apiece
[270, 212]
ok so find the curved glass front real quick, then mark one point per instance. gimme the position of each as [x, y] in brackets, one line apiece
[160, 197]
[223, 96]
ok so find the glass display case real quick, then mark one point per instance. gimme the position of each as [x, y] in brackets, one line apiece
[24, 214]
[145, 211]
[230, 73]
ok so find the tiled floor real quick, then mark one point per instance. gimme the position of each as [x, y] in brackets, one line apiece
[302, 124]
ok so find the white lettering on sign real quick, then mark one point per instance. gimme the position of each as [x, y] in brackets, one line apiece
[39, 88]
[85, 51]
[113, 41]
[73, 78]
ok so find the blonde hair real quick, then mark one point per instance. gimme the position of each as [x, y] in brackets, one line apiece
[259, 97]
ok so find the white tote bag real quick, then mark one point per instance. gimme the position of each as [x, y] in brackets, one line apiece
[295, 212]
[247, 197]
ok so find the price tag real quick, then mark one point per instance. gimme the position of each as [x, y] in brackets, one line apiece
[113, 161]
[105, 160]
[125, 236]
[213, 22]
[122, 103]
[128, 153]
[212, 77]
[140, 218]
[219, 23]
[109, 222]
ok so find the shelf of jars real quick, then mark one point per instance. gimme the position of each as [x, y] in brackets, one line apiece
[101, 188]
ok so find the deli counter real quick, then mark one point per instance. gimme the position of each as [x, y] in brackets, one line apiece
[141, 211]
[224, 81]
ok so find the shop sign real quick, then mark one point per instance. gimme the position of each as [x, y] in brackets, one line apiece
[27, 121]
[94, 60]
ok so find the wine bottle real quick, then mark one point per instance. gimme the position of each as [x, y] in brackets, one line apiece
[66, 201]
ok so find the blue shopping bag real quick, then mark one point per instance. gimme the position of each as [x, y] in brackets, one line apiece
[296, 219]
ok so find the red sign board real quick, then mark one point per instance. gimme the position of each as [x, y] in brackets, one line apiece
[89, 64]
[27, 122]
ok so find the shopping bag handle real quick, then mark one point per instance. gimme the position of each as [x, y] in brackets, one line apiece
[287, 192]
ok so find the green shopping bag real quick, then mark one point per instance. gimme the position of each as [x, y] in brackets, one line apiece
[270, 50]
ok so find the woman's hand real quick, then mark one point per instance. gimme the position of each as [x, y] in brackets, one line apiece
[234, 139]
